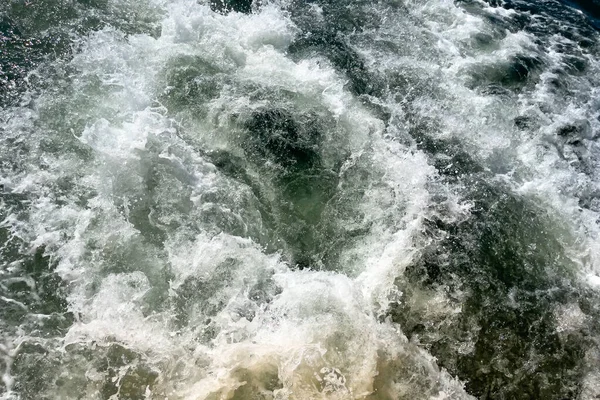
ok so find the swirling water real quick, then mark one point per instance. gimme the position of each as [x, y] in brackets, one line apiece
[322, 199]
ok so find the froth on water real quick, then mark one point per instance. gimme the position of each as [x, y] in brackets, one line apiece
[283, 200]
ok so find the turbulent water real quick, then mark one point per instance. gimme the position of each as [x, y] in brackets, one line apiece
[324, 199]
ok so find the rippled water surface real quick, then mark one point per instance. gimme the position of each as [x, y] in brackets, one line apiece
[325, 199]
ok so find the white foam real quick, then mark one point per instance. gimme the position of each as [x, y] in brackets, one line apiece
[312, 334]
[317, 332]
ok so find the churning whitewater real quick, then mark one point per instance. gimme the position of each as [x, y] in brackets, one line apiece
[324, 199]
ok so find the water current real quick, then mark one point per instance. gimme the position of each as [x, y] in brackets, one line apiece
[287, 199]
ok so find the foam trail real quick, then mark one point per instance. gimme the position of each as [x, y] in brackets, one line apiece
[298, 202]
